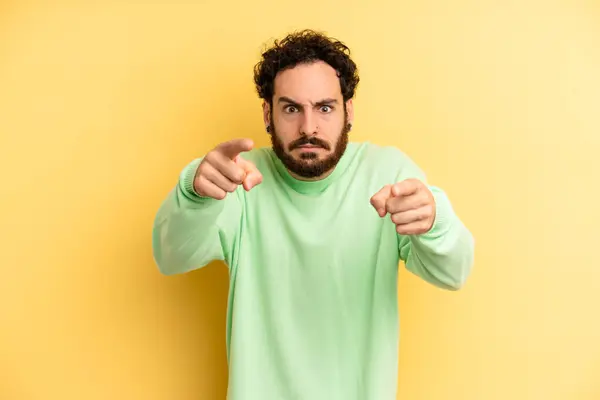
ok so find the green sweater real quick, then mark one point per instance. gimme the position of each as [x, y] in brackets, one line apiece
[312, 309]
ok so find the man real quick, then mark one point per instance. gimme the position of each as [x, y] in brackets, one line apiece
[312, 231]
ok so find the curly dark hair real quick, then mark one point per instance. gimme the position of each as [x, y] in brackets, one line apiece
[300, 47]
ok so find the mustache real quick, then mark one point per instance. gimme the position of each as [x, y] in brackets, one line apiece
[313, 141]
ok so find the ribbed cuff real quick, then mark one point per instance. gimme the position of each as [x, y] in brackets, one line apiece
[186, 184]
[186, 179]
[444, 214]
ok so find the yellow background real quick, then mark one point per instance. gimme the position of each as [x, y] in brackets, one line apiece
[102, 105]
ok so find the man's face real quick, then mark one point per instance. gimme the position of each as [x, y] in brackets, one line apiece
[309, 119]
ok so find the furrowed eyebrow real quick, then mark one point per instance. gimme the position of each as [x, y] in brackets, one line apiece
[323, 102]
[284, 99]
[326, 102]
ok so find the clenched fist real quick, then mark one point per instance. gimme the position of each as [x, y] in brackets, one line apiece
[410, 204]
[222, 170]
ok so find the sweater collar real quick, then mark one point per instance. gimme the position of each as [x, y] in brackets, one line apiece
[317, 186]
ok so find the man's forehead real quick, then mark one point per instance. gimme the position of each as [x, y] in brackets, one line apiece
[308, 83]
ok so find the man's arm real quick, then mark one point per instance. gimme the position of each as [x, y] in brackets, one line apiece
[433, 242]
[190, 231]
[199, 221]
[444, 255]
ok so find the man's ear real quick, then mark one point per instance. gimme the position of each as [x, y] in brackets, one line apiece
[350, 111]
[266, 114]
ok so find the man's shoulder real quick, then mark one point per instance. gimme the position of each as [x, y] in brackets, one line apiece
[382, 154]
[386, 157]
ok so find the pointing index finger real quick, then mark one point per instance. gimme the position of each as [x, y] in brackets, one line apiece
[234, 147]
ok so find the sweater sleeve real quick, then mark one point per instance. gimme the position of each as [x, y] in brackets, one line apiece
[190, 231]
[443, 256]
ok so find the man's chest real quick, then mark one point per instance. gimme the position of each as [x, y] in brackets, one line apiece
[339, 229]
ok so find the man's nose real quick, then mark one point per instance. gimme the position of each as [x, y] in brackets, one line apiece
[309, 124]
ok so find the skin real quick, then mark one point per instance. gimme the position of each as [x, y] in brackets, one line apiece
[409, 203]
[308, 103]
[222, 170]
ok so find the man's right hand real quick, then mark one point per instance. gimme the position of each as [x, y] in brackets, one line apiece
[222, 170]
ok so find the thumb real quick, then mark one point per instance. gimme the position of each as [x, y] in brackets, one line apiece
[380, 198]
[253, 177]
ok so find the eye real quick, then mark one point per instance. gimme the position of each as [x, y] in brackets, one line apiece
[290, 109]
[326, 109]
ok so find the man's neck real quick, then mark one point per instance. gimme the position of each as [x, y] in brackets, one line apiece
[316, 178]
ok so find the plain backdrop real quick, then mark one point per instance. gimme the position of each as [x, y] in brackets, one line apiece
[103, 103]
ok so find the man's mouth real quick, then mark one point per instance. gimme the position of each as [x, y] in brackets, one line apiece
[309, 144]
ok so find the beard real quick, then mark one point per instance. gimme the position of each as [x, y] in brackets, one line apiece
[308, 165]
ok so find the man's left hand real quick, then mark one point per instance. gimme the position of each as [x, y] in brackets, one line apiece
[410, 204]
